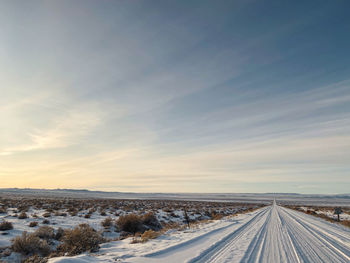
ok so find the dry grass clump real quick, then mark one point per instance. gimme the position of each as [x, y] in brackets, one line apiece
[30, 244]
[151, 221]
[46, 222]
[136, 225]
[345, 223]
[149, 234]
[216, 216]
[131, 223]
[22, 215]
[107, 223]
[23, 208]
[5, 225]
[103, 213]
[33, 224]
[45, 232]
[59, 233]
[80, 239]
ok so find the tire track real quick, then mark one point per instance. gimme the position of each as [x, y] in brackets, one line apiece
[278, 234]
[215, 252]
[312, 243]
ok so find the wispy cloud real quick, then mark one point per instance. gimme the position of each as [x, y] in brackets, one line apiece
[66, 128]
[177, 97]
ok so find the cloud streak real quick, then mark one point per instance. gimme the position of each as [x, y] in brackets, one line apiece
[236, 96]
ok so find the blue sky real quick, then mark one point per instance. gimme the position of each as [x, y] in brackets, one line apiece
[175, 96]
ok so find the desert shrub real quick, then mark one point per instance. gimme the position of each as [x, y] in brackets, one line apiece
[131, 223]
[30, 244]
[216, 216]
[80, 239]
[45, 232]
[5, 225]
[59, 233]
[151, 221]
[33, 224]
[23, 208]
[107, 223]
[149, 234]
[46, 222]
[103, 213]
[22, 215]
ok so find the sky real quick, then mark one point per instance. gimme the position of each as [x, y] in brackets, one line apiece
[175, 96]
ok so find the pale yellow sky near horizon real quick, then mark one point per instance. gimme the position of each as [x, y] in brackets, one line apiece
[174, 97]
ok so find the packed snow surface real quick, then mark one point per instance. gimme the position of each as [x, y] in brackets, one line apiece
[270, 234]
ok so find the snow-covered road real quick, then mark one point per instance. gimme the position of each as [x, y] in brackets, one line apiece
[278, 234]
[270, 234]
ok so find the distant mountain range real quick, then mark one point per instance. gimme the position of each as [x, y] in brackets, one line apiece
[343, 199]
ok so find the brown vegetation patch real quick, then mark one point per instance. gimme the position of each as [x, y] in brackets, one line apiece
[30, 244]
[80, 239]
[5, 225]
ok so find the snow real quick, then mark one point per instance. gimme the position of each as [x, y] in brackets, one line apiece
[21, 225]
[13, 258]
[269, 234]
[166, 212]
[328, 211]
